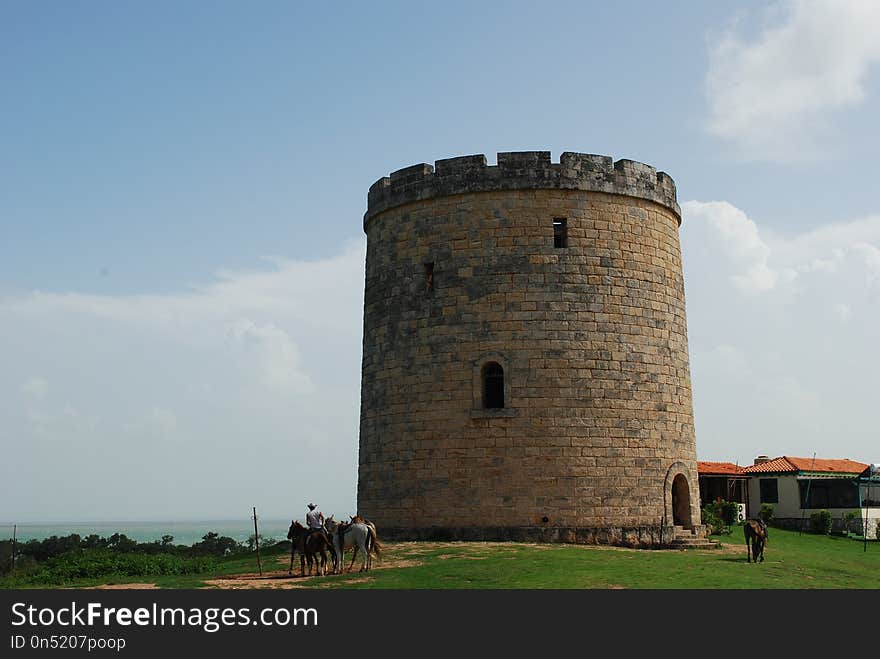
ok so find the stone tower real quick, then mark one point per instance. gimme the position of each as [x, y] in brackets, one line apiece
[525, 360]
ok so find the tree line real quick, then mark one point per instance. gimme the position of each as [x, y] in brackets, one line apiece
[39, 551]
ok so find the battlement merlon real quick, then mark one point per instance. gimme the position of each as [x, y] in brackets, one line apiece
[521, 170]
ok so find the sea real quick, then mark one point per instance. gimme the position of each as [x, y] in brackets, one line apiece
[185, 533]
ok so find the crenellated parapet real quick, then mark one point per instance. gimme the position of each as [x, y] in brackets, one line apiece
[521, 170]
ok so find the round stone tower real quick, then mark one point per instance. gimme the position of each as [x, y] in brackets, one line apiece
[525, 361]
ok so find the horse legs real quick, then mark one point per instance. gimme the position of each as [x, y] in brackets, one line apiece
[366, 555]
[290, 569]
[354, 554]
[333, 557]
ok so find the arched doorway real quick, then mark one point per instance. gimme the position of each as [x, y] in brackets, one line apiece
[681, 502]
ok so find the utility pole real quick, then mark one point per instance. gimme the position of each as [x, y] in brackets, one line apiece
[15, 528]
[257, 541]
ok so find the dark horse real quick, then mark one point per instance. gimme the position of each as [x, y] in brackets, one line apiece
[310, 545]
[756, 537]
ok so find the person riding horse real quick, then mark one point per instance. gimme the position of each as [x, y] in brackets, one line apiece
[315, 522]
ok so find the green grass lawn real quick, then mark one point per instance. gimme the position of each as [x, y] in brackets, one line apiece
[792, 561]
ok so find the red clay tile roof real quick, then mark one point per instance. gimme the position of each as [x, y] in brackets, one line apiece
[839, 466]
[794, 465]
[718, 468]
[773, 466]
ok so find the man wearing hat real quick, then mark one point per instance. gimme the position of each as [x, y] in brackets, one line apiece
[315, 522]
[314, 518]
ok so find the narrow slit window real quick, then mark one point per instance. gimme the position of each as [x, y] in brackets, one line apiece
[493, 386]
[560, 232]
[429, 277]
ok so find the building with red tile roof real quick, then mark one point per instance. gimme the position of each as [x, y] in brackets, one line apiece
[723, 480]
[718, 468]
[797, 487]
[788, 464]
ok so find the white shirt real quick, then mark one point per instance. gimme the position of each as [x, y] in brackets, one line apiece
[313, 519]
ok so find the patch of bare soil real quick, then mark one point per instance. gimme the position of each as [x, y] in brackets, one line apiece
[393, 556]
[268, 580]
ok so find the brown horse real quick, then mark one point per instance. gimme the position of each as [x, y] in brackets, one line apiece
[310, 545]
[756, 537]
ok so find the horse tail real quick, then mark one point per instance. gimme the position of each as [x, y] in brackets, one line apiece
[374, 541]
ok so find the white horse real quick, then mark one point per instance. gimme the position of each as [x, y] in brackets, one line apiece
[358, 535]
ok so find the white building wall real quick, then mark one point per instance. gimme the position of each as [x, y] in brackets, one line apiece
[873, 516]
[788, 506]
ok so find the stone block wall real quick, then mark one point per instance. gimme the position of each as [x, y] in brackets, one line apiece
[462, 270]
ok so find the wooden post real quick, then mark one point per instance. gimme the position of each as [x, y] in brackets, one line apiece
[15, 528]
[257, 541]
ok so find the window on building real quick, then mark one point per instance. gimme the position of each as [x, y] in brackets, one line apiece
[493, 386]
[830, 493]
[769, 490]
[560, 232]
[429, 277]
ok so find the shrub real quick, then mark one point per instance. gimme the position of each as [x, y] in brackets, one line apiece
[766, 513]
[101, 563]
[820, 522]
[877, 529]
[711, 519]
[849, 521]
[729, 511]
[719, 516]
[216, 545]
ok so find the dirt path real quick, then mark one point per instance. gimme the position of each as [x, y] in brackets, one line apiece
[394, 556]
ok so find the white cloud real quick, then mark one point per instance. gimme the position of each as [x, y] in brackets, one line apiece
[871, 255]
[729, 361]
[275, 354]
[758, 262]
[35, 387]
[164, 421]
[843, 312]
[741, 242]
[784, 361]
[771, 96]
[251, 382]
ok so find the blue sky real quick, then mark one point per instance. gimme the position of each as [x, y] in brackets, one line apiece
[182, 189]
